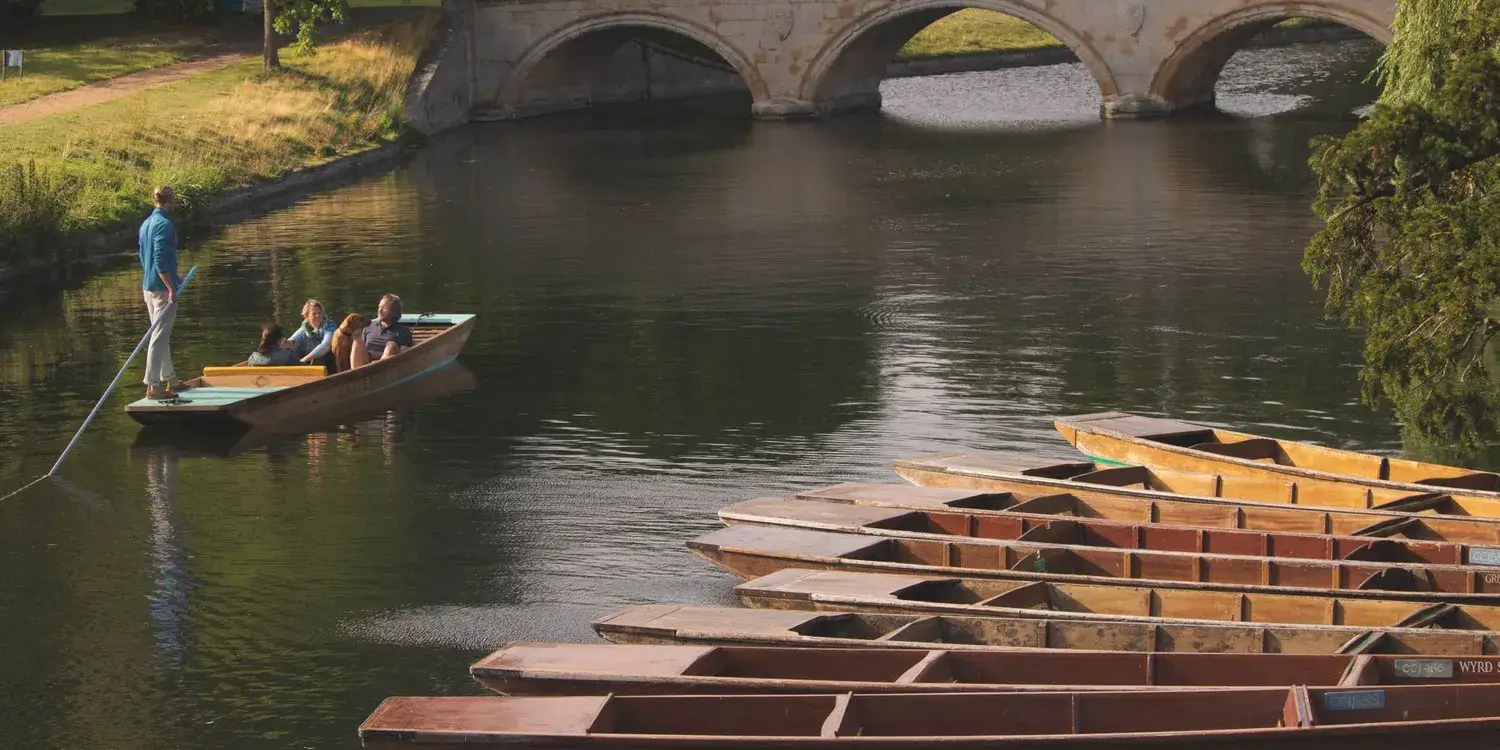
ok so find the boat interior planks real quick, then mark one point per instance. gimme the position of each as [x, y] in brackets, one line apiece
[597, 669]
[989, 631]
[840, 589]
[807, 512]
[1242, 718]
[751, 550]
[1152, 495]
[1170, 444]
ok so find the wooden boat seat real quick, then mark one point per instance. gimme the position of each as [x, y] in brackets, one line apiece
[1479, 480]
[1256, 449]
[249, 376]
[303, 370]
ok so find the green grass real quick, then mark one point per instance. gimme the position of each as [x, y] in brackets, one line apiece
[985, 31]
[50, 70]
[218, 130]
[94, 7]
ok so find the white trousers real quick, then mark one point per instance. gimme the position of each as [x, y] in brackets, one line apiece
[159, 348]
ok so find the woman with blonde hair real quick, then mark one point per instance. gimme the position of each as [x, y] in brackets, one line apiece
[314, 338]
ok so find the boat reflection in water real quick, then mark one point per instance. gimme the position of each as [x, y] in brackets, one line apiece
[388, 408]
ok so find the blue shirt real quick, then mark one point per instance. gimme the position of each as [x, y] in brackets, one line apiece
[158, 252]
[377, 335]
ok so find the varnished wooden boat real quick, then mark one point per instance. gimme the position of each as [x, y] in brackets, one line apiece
[266, 397]
[597, 669]
[1170, 444]
[1188, 498]
[750, 551]
[1298, 718]
[833, 627]
[881, 592]
[807, 512]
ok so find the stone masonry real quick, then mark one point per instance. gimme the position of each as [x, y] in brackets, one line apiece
[797, 58]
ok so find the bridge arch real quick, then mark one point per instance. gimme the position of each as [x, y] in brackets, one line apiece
[568, 59]
[1188, 74]
[846, 71]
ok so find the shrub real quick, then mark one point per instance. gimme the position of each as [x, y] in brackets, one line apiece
[175, 10]
[17, 15]
[34, 207]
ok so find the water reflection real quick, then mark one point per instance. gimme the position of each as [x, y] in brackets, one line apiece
[676, 312]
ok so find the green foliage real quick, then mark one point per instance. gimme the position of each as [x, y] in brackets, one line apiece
[175, 10]
[34, 207]
[301, 17]
[1411, 246]
[17, 15]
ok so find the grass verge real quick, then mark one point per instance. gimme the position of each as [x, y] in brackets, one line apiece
[53, 69]
[969, 31]
[204, 135]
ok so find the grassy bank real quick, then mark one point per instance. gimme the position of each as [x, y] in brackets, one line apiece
[969, 31]
[94, 168]
[50, 70]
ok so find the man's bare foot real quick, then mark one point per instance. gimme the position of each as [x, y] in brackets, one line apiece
[158, 392]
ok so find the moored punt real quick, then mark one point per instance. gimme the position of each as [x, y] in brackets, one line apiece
[831, 627]
[1170, 444]
[1038, 528]
[883, 592]
[1192, 498]
[597, 669]
[750, 551]
[1295, 718]
[264, 398]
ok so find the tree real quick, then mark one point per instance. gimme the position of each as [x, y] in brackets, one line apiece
[268, 46]
[300, 17]
[1411, 202]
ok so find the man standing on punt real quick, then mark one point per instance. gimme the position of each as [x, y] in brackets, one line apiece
[159, 284]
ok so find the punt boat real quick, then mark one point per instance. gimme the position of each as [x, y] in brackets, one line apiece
[878, 592]
[806, 513]
[1166, 443]
[600, 668]
[750, 551]
[246, 397]
[842, 628]
[1297, 718]
[1195, 499]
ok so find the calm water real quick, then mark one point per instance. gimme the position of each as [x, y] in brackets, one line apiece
[676, 311]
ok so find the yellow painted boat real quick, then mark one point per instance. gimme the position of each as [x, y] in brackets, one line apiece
[1121, 438]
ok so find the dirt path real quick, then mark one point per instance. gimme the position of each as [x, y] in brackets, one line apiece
[114, 88]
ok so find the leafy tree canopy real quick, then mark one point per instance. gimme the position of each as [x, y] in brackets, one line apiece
[301, 17]
[1411, 244]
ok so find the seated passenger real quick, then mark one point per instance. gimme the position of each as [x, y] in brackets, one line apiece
[313, 340]
[273, 350]
[386, 337]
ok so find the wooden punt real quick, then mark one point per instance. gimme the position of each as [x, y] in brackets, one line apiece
[834, 627]
[750, 551]
[807, 512]
[1227, 501]
[1297, 718]
[264, 397]
[598, 668]
[1169, 444]
[880, 592]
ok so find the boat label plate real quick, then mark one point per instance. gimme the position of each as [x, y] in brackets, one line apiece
[1353, 700]
[1425, 669]
[1484, 556]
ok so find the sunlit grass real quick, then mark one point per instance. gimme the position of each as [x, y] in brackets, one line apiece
[222, 129]
[49, 71]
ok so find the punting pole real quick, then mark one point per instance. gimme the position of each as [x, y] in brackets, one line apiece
[107, 391]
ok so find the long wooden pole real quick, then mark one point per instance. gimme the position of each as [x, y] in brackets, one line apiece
[111, 389]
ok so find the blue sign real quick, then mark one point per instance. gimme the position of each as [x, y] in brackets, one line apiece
[1425, 669]
[1354, 700]
[1484, 556]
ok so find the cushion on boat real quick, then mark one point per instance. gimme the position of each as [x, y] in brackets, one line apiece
[305, 370]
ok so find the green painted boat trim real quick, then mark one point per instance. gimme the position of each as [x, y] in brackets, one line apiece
[1105, 461]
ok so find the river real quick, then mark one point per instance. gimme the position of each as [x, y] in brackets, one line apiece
[677, 310]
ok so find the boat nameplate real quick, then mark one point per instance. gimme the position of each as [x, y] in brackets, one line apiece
[1425, 669]
[1484, 556]
[1354, 700]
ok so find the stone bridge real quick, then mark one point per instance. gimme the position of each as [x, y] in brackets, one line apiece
[505, 59]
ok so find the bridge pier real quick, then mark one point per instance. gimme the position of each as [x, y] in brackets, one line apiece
[504, 59]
